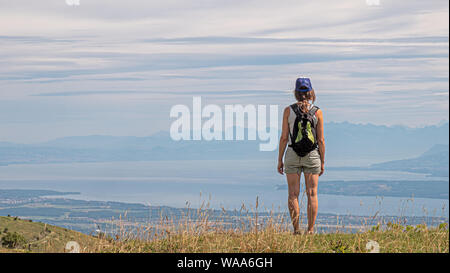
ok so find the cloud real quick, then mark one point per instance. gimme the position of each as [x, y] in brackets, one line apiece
[307, 40]
[228, 93]
[361, 59]
[134, 62]
[177, 18]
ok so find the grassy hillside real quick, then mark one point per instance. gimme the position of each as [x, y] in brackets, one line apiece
[40, 237]
[201, 237]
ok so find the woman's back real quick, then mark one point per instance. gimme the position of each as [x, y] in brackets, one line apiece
[292, 117]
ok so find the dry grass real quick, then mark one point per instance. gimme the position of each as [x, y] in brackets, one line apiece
[393, 240]
[270, 234]
[197, 231]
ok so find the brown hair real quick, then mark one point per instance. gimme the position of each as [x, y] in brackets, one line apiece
[304, 98]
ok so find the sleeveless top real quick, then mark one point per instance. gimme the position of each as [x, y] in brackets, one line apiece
[291, 121]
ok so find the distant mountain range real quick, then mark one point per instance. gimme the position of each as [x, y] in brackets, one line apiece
[434, 161]
[374, 143]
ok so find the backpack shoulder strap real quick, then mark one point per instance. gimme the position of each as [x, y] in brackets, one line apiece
[294, 133]
[314, 110]
[312, 114]
[296, 110]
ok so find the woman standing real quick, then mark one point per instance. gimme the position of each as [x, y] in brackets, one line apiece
[303, 133]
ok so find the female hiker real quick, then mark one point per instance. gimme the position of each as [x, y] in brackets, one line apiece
[303, 133]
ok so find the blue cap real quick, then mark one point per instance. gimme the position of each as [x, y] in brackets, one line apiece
[303, 85]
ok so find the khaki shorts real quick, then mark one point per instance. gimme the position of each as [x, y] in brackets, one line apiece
[309, 163]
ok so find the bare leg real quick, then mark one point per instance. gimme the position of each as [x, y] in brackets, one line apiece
[311, 181]
[294, 190]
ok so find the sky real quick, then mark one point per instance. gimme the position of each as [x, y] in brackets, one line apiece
[117, 67]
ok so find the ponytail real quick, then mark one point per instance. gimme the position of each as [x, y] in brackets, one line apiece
[304, 98]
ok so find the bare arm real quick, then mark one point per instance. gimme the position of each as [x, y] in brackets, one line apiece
[321, 139]
[283, 140]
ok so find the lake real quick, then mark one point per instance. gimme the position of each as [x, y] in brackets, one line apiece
[221, 183]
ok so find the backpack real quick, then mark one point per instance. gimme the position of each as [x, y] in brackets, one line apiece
[304, 138]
